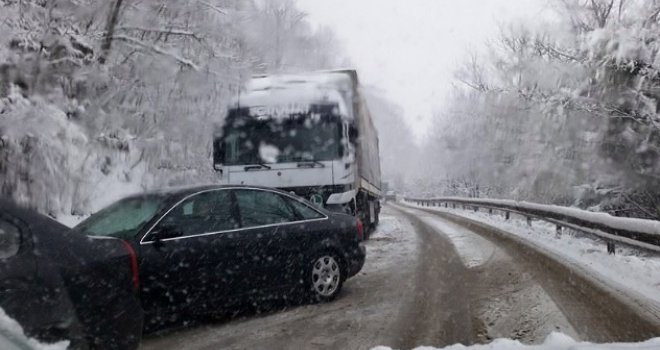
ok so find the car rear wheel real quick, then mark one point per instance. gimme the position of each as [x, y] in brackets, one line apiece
[325, 277]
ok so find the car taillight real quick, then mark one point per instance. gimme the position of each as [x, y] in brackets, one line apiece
[360, 230]
[134, 265]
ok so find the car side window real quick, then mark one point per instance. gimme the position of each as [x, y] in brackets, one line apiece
[258, 208]
[206, 212]
[10, 239]
[304, 210]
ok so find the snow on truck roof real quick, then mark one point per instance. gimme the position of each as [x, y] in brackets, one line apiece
[340, 80]
[298, 90]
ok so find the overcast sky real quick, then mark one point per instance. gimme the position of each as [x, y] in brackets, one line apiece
[410, 48]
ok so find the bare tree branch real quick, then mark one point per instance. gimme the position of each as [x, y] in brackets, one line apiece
[213, 7]
[601, 13]
[652, 18]
[160, 31]
[157, 49]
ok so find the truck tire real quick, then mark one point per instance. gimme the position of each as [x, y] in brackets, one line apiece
[377, 215]
[367, 220]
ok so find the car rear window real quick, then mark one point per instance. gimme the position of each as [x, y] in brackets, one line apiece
[305, 211]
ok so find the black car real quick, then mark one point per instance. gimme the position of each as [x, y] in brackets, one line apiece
[59, 285]
[201, 248]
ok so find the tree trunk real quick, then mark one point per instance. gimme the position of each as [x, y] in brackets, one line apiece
[110, 31]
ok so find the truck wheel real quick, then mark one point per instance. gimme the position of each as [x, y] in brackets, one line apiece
[376, 220]
[367, 222]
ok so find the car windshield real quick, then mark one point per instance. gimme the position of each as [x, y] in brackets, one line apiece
[123, 219]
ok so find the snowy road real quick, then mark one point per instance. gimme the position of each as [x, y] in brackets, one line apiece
[433, 279]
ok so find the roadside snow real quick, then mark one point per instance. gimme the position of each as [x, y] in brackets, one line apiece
[635, 274]
[651, 227]
[391, 242]
[12, 337]
[554, 341]
[70, 220]
[473, 249]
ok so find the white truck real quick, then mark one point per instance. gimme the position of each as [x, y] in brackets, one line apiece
[310, 134]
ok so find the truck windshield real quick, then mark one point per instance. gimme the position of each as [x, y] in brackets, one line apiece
[295, 139]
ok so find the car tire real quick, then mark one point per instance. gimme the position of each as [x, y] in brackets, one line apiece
[325, 276]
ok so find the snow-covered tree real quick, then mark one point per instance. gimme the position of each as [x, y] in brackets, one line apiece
[103, 97]
[565, 112]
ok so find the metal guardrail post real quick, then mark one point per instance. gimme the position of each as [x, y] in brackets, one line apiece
[611, 248]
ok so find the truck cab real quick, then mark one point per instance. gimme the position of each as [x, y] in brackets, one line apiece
[302, 134]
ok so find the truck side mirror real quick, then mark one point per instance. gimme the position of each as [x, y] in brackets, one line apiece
[353, 133]
[218, 155]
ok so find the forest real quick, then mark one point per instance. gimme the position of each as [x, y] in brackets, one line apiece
[99, 99]
[561, 109]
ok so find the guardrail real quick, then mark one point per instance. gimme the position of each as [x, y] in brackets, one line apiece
[638, 233]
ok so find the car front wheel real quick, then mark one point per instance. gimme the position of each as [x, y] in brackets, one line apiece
[325, 277]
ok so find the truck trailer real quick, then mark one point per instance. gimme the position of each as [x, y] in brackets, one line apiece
[310, 134]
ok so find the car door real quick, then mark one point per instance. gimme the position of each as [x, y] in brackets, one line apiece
[184, 256]
[262, 244]
[303, 237]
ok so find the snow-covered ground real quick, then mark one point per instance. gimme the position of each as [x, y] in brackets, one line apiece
[12, 337]
[473, 249]
[554, 341]
[70, 220]
[630, 271]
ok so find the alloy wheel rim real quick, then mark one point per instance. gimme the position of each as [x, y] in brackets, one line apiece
[325, 275]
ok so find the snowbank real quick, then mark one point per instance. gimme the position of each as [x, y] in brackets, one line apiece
[12, 337]
[650, 227]
[554, 341]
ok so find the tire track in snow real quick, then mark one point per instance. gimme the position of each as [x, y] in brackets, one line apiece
[594, 312]
[439, 313]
